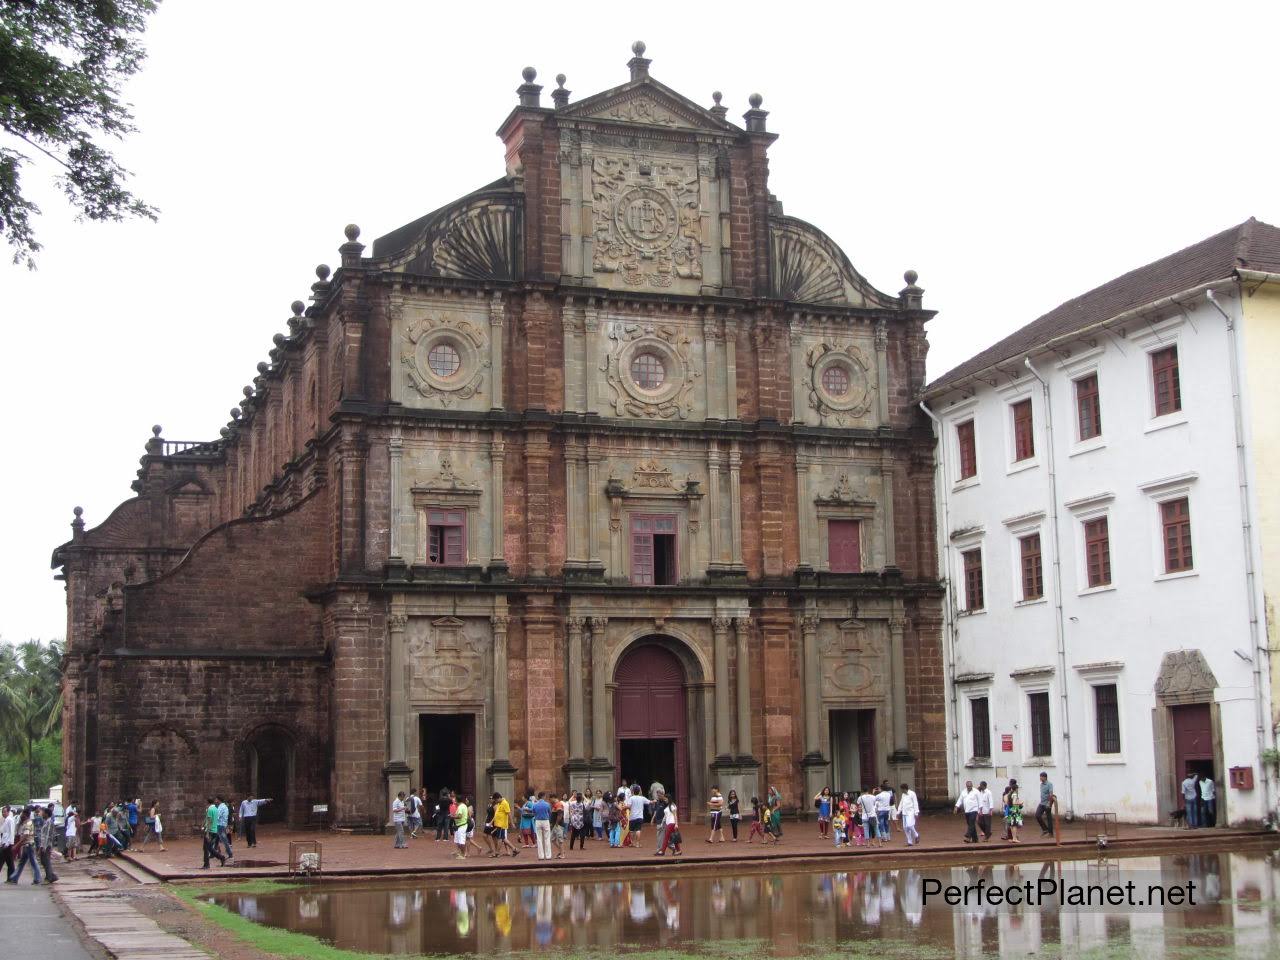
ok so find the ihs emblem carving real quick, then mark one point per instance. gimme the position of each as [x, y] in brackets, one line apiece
[646, 220]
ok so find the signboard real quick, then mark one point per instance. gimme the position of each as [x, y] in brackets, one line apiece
[320, 808]
[1006, 742]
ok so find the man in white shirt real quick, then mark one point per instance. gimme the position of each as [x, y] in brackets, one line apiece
[7, 830]
[397, 820]
[249, 819]
[884, 801]
[908, 811]
[968, 803]
[985, 802]
[870, 822]
[636, 804]
[1209, 801]
[1191, 800]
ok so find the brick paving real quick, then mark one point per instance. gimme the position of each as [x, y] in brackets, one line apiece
[941, 842]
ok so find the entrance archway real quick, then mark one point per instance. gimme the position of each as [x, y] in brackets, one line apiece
[271, 772]
[650, 720]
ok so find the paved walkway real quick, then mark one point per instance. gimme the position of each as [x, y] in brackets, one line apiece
[111, 920]
[941, 841]
[37, 928]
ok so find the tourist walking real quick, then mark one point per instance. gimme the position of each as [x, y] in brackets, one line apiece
[71, 833]
[823, 804]
[598, 815]
[414, 816]
[542, 826]
[24, 848]
[637, 805]
[1044, 810]
[461, 821]
[735, 814]
[224, 827]
[46, 833]
[501, 824]
[249, 819]
[558, 805]
[659, 819]
[613, 821]
[884, 803]
[985, 803]
[715, 810]
[210, 835]
[526, 822]
[1209, 801]
[1191, 800]
[577, 815]
[839, 822]
[132, 813]
[908, 813]
[870, 821]
[397, 821]
[757, 821]
[8, 827]
[470, 801]
[670, 831]
[1015, 812]
[442, 819]
[157, 824]
[967, 803]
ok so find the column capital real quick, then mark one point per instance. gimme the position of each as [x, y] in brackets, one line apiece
[742, 624]
[598, 624]
[809, 623]
[575, 625]
[500, 623]
[720, 625]
[397, 622]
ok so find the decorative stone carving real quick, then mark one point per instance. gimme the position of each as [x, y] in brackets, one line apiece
[1185, 677]
[466, 338]
[853, 656]
[447, 480]
[639, 110]
[842, 494]
[475, 238]
[445, 661]
[806, 267]
[646, 219]
[651, 474]
[857, 397]
[673, 398]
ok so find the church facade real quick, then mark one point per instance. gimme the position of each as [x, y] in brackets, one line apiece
[608, 469]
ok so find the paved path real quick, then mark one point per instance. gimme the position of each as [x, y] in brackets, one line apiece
[110, 920]
[37, 927]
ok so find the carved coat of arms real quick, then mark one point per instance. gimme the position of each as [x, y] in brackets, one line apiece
[647, 222]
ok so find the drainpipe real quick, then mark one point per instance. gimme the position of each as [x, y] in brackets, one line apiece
[1059, 620]
[1246, 531]
[949, 626]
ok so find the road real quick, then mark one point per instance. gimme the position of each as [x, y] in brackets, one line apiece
[38, 928]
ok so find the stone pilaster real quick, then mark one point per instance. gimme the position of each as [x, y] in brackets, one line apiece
[573, 506]
[502, 775]
[742, 634]
[900, 760]
[601, 754]
[720, 633]
[497, 315]
[804, 507]
[735, 505]
[396, 770]
[714, 520]
[395, 454]
[574, 626]
[594, 491]
[813, 762]
[730, 368]
[497, 460]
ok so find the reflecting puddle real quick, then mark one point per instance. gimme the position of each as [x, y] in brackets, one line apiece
[846, 913]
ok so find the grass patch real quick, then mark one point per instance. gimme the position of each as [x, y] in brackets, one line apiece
[255, 887]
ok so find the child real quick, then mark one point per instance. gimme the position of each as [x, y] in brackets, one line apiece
[855, 825]
[757, 821]
[775, 822]
[838, 826]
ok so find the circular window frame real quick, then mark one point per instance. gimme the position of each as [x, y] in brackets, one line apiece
[662, 365]
[672, 363]
[843, 370]
[448, 344]
[468, 359]
[857, 399]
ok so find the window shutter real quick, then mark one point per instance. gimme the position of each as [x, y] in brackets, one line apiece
[1175, 518]
[1088, 407]
[454, 554]
[1107, 718]
[1097, 552]
[844, 548]
[980, 715]
[973, 598]
[1032, 568]
[968, 450]
[1040, 730]
[641, 550]
[1024, 439]
[1165, 381]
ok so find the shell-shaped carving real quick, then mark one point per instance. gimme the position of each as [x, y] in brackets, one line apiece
[807, 267]
[477, 244]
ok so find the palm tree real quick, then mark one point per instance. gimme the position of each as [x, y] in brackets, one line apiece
[30, 697]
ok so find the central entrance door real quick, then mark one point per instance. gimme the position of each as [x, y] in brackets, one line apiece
[853, 749]
[649, 720]
[448, 752]
[1192, 744]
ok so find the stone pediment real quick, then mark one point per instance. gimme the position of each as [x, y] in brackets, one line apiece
[649, 103]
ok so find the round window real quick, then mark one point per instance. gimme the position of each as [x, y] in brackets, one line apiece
[835, 380]
[647, 371]
[443, 360]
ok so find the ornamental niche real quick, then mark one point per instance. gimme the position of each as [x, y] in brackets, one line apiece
[444, 360]
[646, 220]
[838, 381]
[649, 371]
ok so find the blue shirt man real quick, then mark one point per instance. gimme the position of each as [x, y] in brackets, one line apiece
[541, 809]
[133, 814]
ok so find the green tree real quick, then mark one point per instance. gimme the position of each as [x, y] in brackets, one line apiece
[30, 699]
[61, 66]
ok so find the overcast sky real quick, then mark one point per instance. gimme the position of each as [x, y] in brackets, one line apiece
[1015, 155]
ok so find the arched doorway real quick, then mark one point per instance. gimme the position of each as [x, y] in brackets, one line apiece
[650, 720]
[271, 772]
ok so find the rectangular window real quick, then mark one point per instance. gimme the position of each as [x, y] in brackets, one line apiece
[1165, 381]
[1024, 434]
[446, 538]
[1175, 522]
[844, 546]
[980, 720]
[1032, 570]
[1106, 712]
[653, 550]
[968, 450]
[1039, 708]
[973, 599]
[1088, 407]
[1097, 552]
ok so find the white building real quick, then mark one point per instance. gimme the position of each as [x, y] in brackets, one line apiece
[1097, 496]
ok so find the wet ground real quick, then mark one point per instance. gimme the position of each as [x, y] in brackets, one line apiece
[845, 913]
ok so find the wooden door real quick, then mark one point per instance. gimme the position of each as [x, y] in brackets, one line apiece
[649, 703]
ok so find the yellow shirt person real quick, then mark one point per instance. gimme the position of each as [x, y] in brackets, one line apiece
[502, 814]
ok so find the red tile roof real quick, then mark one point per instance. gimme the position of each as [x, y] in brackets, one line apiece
[1252, 245]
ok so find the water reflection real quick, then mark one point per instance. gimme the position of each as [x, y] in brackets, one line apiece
[789, 914]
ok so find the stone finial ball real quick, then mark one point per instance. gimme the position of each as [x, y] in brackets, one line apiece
[278, 339]
[78, 511]
[755, 100]
[529, 74]
[297, 307]
[224, 432]
[560, 79]
[156, 430]
[911, 277]
[322, 271]
[717, 96]
[235, 413]
[263, 367]
[352, 232]
[247, 391]
[638, 48]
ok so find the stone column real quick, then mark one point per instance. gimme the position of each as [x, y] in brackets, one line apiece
[803, 507]
[882, 371]
[586, 205]
[497, 459]
[396, 771]
[713, 505]
[799, 389]
[714, 391]
[812, 684]
[572, 505]
[720, 631]
[599, 721]
[395, 449]
[497, 313]
[742, 633]
[730, 368]
[501, 772]
[886, 510]
[575, 625]
[735, 504]
[901, 755]
[593, 506]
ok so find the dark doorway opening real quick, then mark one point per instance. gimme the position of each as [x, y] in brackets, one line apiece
[448, 752]
[273, 778]
[644, 761]
[664, 558]
[853, 749]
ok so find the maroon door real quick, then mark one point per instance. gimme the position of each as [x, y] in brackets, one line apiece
[649, 704]
[1192, 744]
[867, 747]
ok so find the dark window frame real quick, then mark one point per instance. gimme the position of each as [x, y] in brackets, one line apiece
[1088, 407]
[1175, 535]
[1166, 381]
[1024, 430]
[1097, 552]
[1031, 565]
[980, 724]
[446, 537]
[857, 544]
[1041, 723]
[1106, 718]
[644, 572]
[974, 594]
[967, 444]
